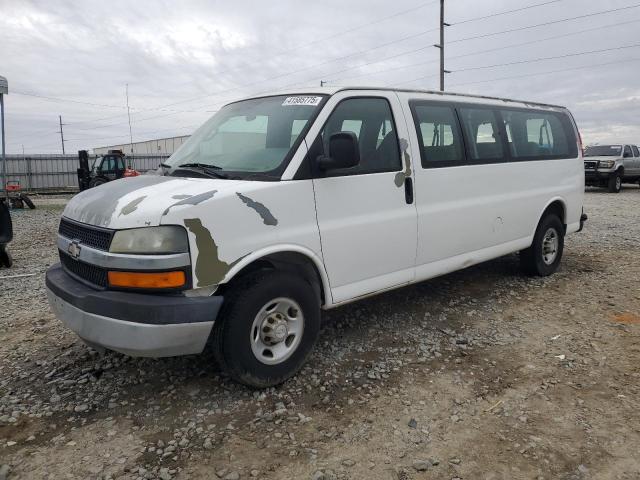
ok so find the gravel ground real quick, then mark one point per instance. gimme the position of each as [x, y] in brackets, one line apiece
[482, 374]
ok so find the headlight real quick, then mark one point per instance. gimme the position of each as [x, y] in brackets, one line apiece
[150, 240]
[606, 163]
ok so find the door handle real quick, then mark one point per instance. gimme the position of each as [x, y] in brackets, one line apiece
[408, 190]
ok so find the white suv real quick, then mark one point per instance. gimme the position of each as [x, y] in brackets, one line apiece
[611, 165]
[283, 205]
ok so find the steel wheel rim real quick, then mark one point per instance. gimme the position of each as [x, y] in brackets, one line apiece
[550, 245]
[276, 331]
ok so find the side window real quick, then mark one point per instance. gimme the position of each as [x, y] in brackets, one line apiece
[372, 122]
[533, 134]
[627, 151]
[482, 133]
[636, 152]
[439, 135]
[120, 163]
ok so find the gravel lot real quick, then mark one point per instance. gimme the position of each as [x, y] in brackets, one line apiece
[482, 374]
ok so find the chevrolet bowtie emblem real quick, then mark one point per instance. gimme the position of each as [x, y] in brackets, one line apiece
[74, 249]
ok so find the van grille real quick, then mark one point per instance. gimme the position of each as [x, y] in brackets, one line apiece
[90, 273]
[90, 236]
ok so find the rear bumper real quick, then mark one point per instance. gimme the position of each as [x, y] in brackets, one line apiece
[141, 325]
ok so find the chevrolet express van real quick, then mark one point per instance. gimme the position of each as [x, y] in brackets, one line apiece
[283, 205]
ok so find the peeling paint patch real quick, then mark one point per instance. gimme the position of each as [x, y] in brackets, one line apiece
[132, 206]
[263, 211]
[210, 270]
[181, 197]
[400, 176]
[192, 200]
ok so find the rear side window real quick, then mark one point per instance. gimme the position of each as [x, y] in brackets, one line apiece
[636, 152]
[482, 133]
[627, 151]
[372, 122]
[532, 134]
[439, 135]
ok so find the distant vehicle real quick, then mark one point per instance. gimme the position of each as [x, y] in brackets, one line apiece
[282, 205]
[611, 165]
[105, 168]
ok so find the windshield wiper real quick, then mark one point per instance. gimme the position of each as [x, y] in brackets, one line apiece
[205, 168]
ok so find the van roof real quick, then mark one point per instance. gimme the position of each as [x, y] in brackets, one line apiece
[452, 96]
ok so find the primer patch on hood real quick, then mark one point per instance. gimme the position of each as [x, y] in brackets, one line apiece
[132, 206]
[191, 200]
[263, 211]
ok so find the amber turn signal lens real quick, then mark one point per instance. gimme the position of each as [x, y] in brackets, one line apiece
[147, 280]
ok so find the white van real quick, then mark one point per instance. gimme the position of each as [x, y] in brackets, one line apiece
[283, 205]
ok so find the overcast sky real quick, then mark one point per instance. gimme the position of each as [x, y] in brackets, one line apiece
[182, 60]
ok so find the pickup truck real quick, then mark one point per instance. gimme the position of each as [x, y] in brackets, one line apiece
[611, 165]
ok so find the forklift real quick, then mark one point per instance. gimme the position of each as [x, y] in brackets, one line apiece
[105, 168]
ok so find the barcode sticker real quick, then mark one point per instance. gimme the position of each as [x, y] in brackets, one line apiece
[312, 101]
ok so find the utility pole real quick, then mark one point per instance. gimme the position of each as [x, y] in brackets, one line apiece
[129, 115]
[61, 133]
[441, 45]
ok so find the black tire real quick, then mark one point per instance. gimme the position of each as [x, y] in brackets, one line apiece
[231, 336]
[615, 183]
[96, 182]
[27, 200]
[5, 258]
[532, 259]
[16, 203]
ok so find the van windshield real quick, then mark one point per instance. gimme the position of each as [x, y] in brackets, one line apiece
[256, 136]
[603, 151]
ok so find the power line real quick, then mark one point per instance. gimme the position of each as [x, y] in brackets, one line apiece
[548, 72]
[533, 60]
[505, 12]
[477, 52]
[553, 22]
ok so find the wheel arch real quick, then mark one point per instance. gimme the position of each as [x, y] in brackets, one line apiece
[293, 258]
[556, 205]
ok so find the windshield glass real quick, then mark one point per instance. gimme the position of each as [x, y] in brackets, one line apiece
[252, 136]
[603, 151]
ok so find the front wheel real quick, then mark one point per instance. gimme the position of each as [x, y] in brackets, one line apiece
[615, 183]
[543, 257]
[267, 328]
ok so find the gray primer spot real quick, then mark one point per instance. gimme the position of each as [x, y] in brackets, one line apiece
[264, 212]
[181, 197]
[400, 176]
[210, 270]
[192, 200]
[132, 206]
[97, 206]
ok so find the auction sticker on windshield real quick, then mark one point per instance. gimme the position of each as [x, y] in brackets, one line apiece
[313, 101]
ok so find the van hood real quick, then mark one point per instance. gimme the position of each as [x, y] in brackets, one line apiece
[142, 201]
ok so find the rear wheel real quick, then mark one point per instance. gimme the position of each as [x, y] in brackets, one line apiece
[543, 257]
[267, 328]
[615, 183]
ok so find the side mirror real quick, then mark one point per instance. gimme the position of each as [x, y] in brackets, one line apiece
[344, 152]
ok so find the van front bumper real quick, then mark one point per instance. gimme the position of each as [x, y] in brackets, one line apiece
[136, 324]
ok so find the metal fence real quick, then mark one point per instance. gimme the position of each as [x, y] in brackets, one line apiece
[52, 173]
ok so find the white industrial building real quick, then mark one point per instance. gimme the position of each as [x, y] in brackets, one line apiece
[162, 146]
